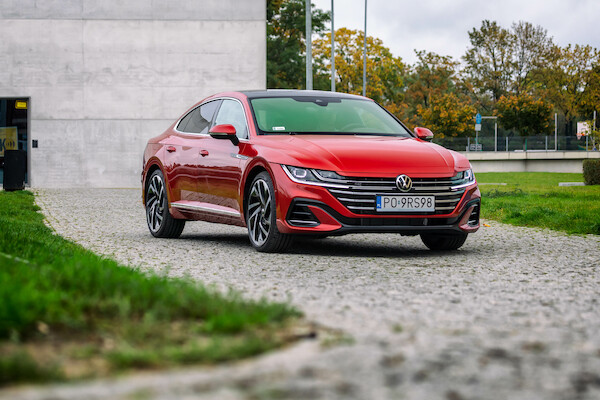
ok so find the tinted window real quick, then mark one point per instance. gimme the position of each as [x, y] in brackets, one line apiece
[328, 115]
[231, 112]
[199, 119]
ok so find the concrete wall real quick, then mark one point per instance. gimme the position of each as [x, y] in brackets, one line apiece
[104, 76]
[534, 161]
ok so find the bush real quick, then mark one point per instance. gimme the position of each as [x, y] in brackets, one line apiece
[591, 172]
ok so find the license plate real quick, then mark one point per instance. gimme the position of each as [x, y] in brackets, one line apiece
[405, 203]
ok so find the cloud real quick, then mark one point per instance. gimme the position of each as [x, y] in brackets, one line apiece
[443, 26]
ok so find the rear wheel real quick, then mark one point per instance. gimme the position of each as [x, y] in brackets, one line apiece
[261, 217]
[160, 222]
[443, 242]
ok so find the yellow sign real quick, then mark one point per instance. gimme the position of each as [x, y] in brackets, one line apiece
[8, 139]
[21, 105]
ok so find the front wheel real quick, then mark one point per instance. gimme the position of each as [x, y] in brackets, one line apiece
[160, 222]
[443, 241]
[261, 217]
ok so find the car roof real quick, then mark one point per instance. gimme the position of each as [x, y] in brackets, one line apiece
[253, 94]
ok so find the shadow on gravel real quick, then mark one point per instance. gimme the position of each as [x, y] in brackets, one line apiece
[230, 240]
[337, 247]
[340, 248]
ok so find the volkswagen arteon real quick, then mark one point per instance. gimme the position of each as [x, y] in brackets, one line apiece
[285, 163]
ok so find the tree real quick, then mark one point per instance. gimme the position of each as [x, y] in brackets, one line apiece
[286, 42]
[432, 76]
[384, 71]
[590, 101]
[488, 62]
[448, 116]
[570, 80]
[531, 47]
[524, 113]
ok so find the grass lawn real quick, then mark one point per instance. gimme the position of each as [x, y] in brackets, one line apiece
[66, 313]
[534, 199]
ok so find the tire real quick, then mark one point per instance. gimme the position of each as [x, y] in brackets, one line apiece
[160, 222]
[443, 242]
[261, 217]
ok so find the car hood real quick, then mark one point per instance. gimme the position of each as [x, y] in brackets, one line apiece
[364, 155]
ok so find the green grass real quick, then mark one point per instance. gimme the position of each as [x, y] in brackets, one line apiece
[68, 313]
[534, 199]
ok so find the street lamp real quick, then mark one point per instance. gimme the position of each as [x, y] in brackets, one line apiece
[309, 78]
[365, 55]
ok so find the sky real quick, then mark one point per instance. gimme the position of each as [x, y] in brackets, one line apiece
[442, 26]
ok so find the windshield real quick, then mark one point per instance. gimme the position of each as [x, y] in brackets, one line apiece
[324, 115]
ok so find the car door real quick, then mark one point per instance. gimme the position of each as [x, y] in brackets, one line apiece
[184, 150]
[221, 164]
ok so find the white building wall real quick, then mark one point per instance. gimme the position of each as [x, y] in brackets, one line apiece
[104, 76]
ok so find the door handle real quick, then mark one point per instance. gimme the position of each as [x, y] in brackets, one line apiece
[203, 153]
[171, 149]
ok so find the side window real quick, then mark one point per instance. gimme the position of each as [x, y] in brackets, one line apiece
[231, 112]
[198, 120]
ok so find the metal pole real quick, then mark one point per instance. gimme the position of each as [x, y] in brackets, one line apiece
[332, 51]
[309, 78]
[496, 135]
[594, 130]
[365, 55]
[555, 131]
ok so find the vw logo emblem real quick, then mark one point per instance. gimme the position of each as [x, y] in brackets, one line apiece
[404, 183]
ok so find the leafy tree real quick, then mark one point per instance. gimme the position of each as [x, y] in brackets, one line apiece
[286, 42]
[432, 76]
[384, 71]
[524, 113]
[531, 48]
[448, 116]
[590, 101]
[488, 62]
[570, 80]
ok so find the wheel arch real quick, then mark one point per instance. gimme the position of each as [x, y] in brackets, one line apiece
[252, 173]
[153, 165]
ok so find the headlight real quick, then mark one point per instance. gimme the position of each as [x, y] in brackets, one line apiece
[328, 175]
[313, 176]
[463, 179]
[300, 174]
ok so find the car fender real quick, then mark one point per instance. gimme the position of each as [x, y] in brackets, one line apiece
[249, 169]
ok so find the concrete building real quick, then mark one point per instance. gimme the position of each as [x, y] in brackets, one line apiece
[100, 77]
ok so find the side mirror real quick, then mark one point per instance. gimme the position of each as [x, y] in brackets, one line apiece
[224, 131]
[424, 133]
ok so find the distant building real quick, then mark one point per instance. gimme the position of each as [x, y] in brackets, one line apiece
[86, 83]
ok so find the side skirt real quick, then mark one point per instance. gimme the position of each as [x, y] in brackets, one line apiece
[198, 211]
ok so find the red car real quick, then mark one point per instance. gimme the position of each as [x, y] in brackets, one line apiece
[286, 163]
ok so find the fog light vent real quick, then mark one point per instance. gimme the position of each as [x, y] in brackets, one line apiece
[302, 216]
[474, 217]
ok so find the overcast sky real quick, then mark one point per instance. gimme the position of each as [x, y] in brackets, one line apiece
[442, 26]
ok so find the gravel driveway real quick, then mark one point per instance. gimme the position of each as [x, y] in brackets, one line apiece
[514, 314]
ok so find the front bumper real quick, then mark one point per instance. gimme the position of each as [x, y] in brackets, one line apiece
[309, 209]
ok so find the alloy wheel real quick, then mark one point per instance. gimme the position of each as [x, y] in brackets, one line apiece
[155, 208]
[259, 212]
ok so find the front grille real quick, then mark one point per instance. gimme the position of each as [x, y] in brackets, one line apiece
[359, 194]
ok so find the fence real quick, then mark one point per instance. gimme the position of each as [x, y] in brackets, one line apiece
[519, 143]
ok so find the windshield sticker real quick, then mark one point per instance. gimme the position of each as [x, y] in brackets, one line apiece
[279, 128]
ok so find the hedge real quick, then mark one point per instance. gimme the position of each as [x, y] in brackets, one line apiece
[591, 172]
